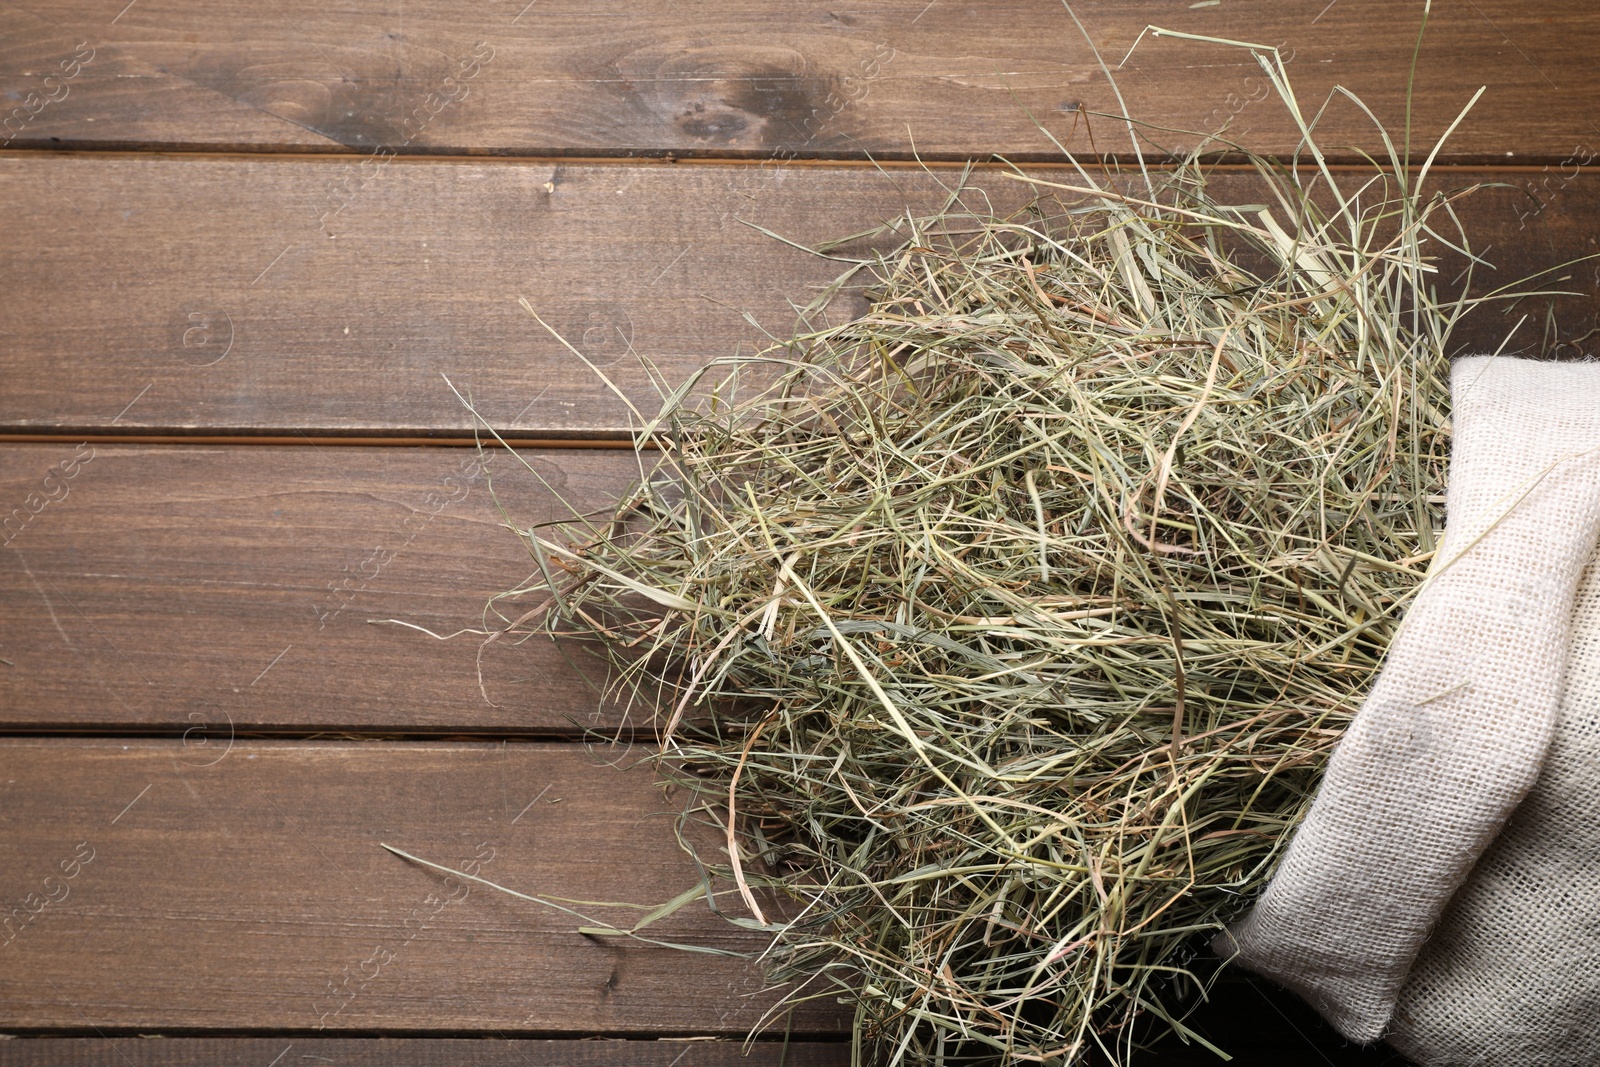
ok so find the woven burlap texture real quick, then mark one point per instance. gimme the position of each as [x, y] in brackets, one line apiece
[1456, 728]
[1512, 974]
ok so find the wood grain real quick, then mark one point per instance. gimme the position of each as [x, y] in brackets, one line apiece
[719, 77]
[412, 1052]
[251, 890]
[499, 1052]
[220, 590]
[141, 299]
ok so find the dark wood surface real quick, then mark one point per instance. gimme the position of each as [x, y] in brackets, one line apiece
[124, 1051]
[413, 1052]
[177, 888]
[949, 78]
[281, 222]
[142, 298]
[233, 588]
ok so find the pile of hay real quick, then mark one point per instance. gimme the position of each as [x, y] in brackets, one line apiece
[1006, 629]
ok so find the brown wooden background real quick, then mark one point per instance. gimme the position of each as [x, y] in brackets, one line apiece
[242, 246]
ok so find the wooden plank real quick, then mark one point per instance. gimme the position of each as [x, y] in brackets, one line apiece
[141, 299]
[739, 77]
[448, 1052]
[143, 891]
[300, 1051]
[217, 590]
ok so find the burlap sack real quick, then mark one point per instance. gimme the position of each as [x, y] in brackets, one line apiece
[1512, 974]
[1456, 728]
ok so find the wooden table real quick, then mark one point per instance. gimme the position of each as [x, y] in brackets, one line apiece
[244, 248]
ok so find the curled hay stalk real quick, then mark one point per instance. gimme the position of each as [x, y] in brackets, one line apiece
[1007, 628]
